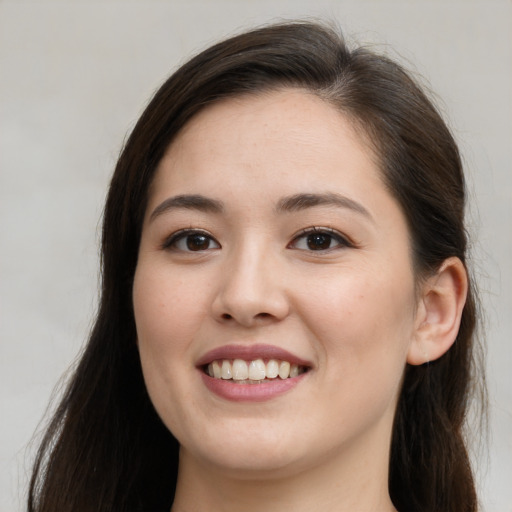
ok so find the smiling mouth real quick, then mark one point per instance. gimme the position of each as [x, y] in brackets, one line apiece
[253, 372]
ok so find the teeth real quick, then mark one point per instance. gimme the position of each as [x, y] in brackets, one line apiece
[257, 370]
[216, 369]
[226, 370]
[254, 371]
[272, 369]
[284, 369]
[240, 370]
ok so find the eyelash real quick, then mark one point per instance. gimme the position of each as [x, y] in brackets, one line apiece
[331, 233]
[171, 242]
[182, 235]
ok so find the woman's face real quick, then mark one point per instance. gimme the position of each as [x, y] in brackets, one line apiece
[270, 237]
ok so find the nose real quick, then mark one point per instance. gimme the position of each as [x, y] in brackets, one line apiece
[251, 291]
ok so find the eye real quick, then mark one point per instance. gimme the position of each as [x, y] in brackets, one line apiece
[188, 240]
[319, 239]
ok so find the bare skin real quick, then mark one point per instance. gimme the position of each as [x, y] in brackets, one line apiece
[268, 224]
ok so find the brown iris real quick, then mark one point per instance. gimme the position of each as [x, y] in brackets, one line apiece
[319, 241]
[198, 242]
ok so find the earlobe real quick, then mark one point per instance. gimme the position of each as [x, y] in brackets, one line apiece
[439, 312]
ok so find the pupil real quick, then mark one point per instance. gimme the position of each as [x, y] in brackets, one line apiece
[319, 241]
[197, 242]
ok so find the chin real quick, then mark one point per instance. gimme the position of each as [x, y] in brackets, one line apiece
[248, 455]
[261, 466]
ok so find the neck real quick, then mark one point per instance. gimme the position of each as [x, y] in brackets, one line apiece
[356, 484]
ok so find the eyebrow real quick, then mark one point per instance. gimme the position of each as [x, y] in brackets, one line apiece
[294, 203]
[299, 202]
[188, 202]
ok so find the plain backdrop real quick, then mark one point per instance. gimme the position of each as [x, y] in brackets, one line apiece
[74, 76]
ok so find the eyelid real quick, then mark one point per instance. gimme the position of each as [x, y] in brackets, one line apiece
[182, 233]
[342, 239]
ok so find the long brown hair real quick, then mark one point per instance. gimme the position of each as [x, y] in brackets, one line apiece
[105, 448]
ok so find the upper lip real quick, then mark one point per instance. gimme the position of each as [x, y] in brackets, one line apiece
[250, 353]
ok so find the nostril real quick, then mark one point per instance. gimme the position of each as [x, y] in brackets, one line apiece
[261, 316]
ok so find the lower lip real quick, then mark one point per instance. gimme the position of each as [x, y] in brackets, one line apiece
[266, 390]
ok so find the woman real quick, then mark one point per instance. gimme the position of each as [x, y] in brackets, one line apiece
[285, 302]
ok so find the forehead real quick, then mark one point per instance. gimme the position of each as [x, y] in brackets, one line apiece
[277, 114]
[280, 132]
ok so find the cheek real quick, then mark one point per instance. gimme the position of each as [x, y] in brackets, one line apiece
[167, 309]
[363, 321]
[370, 328]
[165, 323]
[166, 315]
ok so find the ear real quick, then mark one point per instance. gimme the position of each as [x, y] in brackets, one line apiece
[439, 311]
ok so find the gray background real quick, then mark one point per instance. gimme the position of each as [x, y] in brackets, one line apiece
[74, 76]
